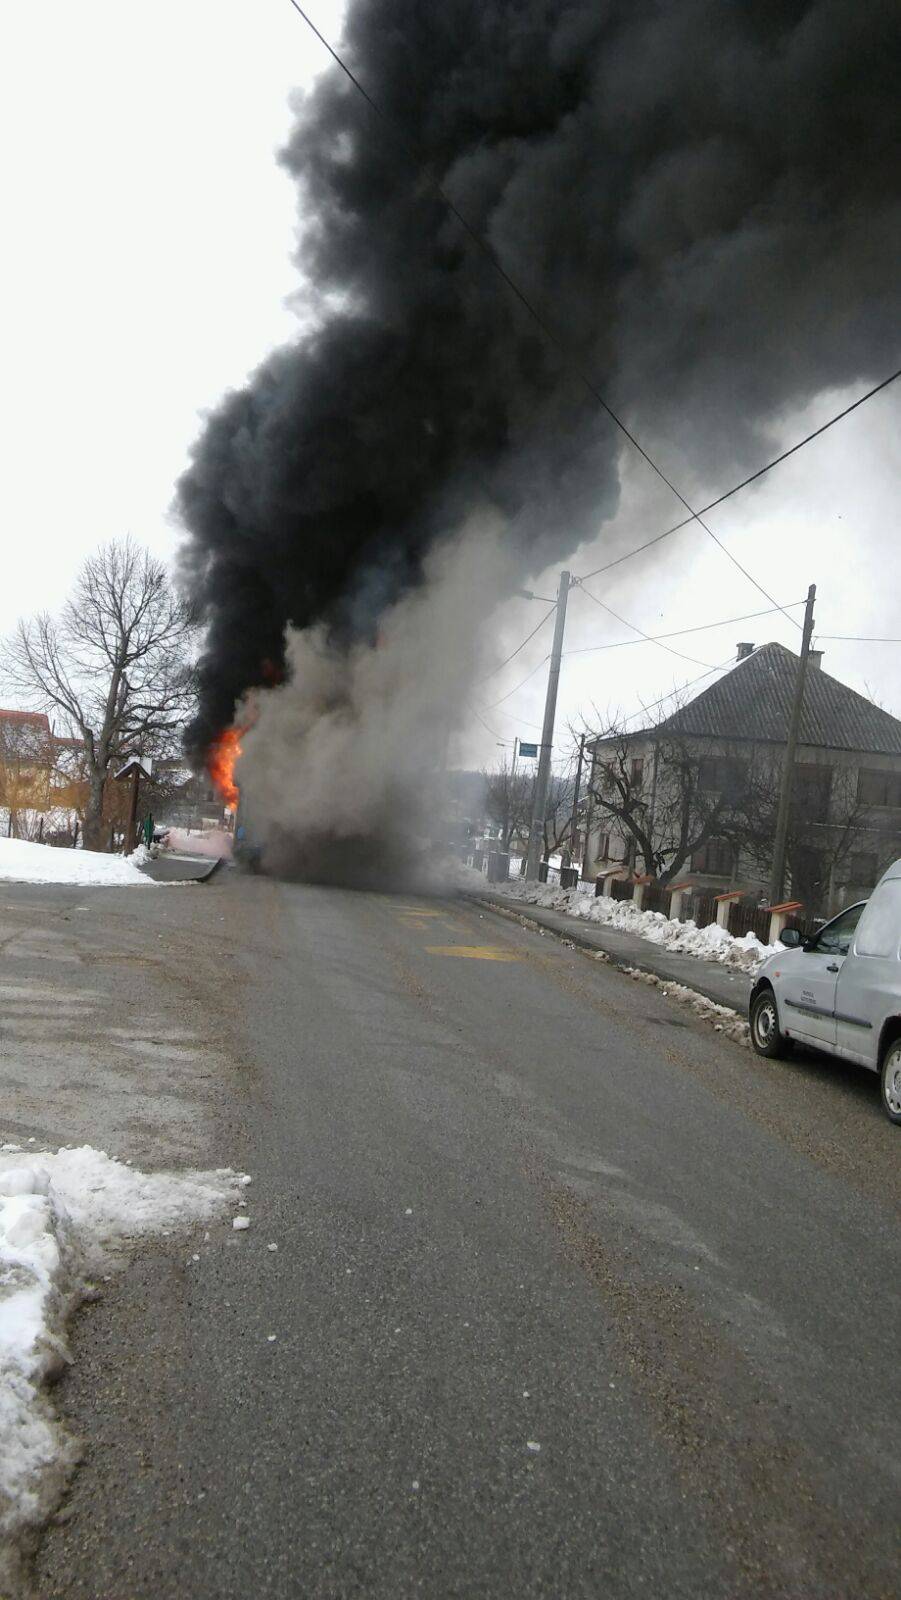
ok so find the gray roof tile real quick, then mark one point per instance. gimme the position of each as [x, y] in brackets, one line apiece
[753, 701]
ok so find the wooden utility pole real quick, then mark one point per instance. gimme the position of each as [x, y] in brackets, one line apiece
[547, 734]
[783, 817]
[574, 819]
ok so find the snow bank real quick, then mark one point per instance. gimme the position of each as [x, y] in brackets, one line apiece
[723, 1018]
[63, 1216]
[712, 943]
[21, 862]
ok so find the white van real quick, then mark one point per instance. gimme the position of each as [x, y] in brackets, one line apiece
[840, 990]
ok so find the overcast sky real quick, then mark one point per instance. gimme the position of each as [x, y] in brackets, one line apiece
[147, 265]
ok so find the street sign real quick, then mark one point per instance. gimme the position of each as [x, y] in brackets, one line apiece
[528, 750]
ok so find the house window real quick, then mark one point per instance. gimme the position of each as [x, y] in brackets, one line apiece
[812, 791]
[637, 774]
[725, 775]
[878, 788]
[714, 857]
[604, 847]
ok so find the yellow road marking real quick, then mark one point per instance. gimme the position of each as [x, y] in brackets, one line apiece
[416, 911]
[472, 952]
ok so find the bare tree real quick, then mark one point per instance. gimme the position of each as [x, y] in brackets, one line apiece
[114, 668]
[508, 802]
[557, 825]
[674, 801]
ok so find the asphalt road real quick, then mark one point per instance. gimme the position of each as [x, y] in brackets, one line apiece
[572, 1296]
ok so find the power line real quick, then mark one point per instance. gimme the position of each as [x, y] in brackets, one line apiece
[522, 681]
[700, 627]
[686, 521]
[483, 245]
[640, 631]
[529, 636]
[857, 638]
[523, 723]
[493, 731]
[643, 638]
[680, 690]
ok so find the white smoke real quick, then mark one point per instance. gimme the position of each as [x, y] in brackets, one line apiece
[341, 775]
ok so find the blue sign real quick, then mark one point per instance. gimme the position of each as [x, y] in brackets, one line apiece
[528, 749]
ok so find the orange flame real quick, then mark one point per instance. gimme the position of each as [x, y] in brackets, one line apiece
[223, 753]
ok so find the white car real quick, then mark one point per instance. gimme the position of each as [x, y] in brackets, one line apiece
[840, 990]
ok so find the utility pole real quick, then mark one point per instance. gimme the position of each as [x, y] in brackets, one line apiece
[783, 816]
[576, 787]
[547, 733]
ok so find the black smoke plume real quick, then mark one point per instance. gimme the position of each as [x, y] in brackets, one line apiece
[701, 198]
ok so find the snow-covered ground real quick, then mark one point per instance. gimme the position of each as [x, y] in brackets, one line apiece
[21, 862]
[712, 943]
[63, 1217]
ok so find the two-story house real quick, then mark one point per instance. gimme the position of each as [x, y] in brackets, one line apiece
[694, 797]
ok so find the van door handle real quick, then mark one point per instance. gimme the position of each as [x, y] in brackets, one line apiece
[834, 967]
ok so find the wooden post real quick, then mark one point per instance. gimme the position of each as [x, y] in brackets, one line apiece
[132, 811]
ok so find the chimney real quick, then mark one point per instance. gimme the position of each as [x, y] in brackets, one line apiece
[815, 659]
[744, 650]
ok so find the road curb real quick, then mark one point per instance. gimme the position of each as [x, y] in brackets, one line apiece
[576, 937]
[629, 967]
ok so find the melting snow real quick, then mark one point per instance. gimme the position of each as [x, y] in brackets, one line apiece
[22, 862]
[712, 943]
[63, 1216]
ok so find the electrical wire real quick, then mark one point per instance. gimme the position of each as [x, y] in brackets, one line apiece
[522, 681]
[487, 250]
[493, 731]
[522, 721]
[700, 627]
[643, 638]
[513, 653]
[680, 690]
[640, 631]
[686, 521]
[857, 638]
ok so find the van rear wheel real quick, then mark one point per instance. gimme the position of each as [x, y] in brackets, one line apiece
[766, 1035]
[890, 1080]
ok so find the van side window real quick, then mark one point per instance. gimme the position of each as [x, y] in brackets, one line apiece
[879, 933]
[835, 938]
